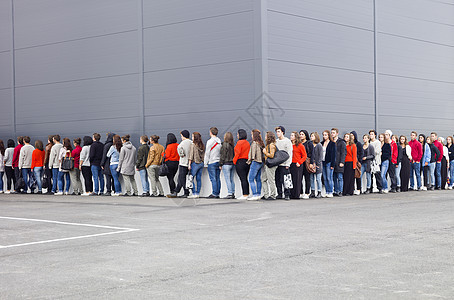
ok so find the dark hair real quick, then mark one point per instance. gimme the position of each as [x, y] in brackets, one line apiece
[281, 128]
[20, 140]
[171, 139]
[373, 130]
[77, 141]
[56, 137]
[39, 145]
[197, 140]
[117, 142]
[242, 135]
[256, 137]
[297, 138]
[10, 143]
[228, 137]
[406, 141]
[50, 138]
[144, 138]
[96, 136]
[27, 139]
[270, 137]
[214, 131]
[88, 140]
[308, 137]
[67, 144]
[126, 137]
[2, 147]
[329, 135]
[335, 129]
[154, 138]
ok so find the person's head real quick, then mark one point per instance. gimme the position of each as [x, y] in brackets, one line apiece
[381, 137]
[372, 134]
[422, 138]
[351, 139]
[77, 142]
[441, 140]
[67, 144]
[315, 138]
[154, 139]
[26, 139]
[429, 140]
[56, 138]
[388, 135]
[327, 135]
[197, 140]
[214, 131]
[96, 137]
[116, 141]
[50, 139]
[434, 136]
[184, 134]
[171, 139]
[20, 140]
[280, 132]
[10, 143]
[228, 138]
[257, 137]
[87, 140]
[39, 145]
[366, 139]
[2, 147]
[403, 140]
[395, 138]
[242, 134]
[449, 140]
[295, 138]
[413, 135]
[125, 138]
[304, 135]
[347, 137]
[270, 137]
[144, 139]
[334, 133]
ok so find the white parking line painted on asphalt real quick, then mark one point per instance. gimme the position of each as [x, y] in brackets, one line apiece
[118, 230]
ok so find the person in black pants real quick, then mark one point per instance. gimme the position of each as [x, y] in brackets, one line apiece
[359, 154]
[171, 159]
[10, 178]
[304, 135]
[105, 164]
[17, 171]
[242, 148]
[47, 169]
[183, 151]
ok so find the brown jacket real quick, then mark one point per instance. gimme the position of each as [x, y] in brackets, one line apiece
[255, 153]
[46, 156]
[196, 154]
[270, 150]
[155, 155]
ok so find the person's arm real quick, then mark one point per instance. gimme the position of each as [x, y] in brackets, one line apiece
[237, 151]
[303, 155]
[120, 160]
[140, 156]
[33, 160]
[343, 152]
[104, 156]
[250, 156]
[437, 154]
[354, 155]
[21, 158]
[207, 152]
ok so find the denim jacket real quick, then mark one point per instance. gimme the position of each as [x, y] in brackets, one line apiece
[114, 155]
[426, 156]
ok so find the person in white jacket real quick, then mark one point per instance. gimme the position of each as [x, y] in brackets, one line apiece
[284, 144]
[25, 163]
[212, 156]
[54, 161]
[183, 167]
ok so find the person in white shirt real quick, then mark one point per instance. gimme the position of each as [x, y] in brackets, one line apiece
[212, 156]
[376, 163]
[284, 144]
[183, 151]
[25, 163]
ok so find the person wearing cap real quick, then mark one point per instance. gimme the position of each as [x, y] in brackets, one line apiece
[282, 170]
[183, 168]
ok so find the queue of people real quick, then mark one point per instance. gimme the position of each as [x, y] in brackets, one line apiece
[274, 168]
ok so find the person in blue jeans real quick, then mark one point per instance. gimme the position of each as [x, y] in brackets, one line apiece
[385, 157]
[142, 154]
[96, 151]
[195, 159]
[211, 160]
[341, 153]
[328, 162]
[114, 154]
[255, 159]
[226, 164]
[450, 146]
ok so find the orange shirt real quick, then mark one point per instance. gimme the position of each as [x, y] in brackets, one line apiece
[38, 158]
[351, 155]
[171, 152]
[241, 150]
[299, 154]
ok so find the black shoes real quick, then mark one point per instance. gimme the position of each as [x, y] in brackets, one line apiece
[398, 189]
[107, 194]
[393, 191]
[287, 198]
[319, 195]
[229, 197]
[145, 195]
[312, 195]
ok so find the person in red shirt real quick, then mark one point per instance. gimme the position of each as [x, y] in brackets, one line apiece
[434, 137]
[17, 172]
[296, 167]
[242, 148]
[171, 159]
[393, 164]
[75, 173]
[415, 162]
[351, 160]
[38, 164]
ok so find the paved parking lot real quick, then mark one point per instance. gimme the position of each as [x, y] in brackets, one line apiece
[395, 246]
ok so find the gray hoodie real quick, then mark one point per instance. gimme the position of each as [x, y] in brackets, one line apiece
[212, 151]
[54, 159]
[127, 161]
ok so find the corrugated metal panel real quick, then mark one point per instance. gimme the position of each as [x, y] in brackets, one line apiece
[5, 112]
[6, 78]
[5, 26]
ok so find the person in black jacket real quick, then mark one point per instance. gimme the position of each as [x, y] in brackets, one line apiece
[105, 165]
[450, 146]
[305, 139]
[341, 152]
[142, 155]
[434, 156]
[385, 159]
[359, 156]
[96, 151]
[329, 160]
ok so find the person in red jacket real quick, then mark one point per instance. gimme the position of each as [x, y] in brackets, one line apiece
[434, 137]
[242, 148]
[351, 160]
[296, 167]
[171, 159]
[415, 162]
[393, 165]
[75, 173]
[16, 154]
[38, 163]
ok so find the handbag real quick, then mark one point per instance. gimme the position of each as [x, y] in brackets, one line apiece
[310, 168]
[280, 156]
[189, 181]
[164, 169]
[67, 164]
[358, 170]
[288, 183]
[44, 181]
[374, 167]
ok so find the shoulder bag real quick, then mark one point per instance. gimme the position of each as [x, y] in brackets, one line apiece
[67, 163]
[164, 169]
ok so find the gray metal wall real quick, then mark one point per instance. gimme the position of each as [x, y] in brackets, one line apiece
[78, 67]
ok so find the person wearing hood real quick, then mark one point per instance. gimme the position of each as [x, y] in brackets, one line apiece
[341, 152]
[126, 166]
[425, 161]
[105, 165]
[212, 157]
[142, 155]
[360, 154]
[305, 140]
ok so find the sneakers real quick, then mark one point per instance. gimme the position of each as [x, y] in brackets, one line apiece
[243, 197]
[85, 194]
[66, 193]
[423, 188]
[145, 195]
[449, 187]
[116, 194]
[193, 196]
[107, 194]
[172, 195]
[305, 196]
[356, 192]
[8, 192]
[254, 198]
[212, 197]
[59, 194]
[319, 195]
[330, 195]
[229, 197]
[385, 191]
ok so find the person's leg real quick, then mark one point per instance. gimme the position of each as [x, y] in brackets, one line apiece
[218, 179]
[54, 179]
[384, 171]
[127, 180]
[181, 179]
[211, 175]
[284, 172]
[258, 180]
[418, 174]
[101, 180]
[38, 175]
[134, 189]
[1, 181]
[319, 182]
[293, 172]
[451, 173]
[144, 180]
[340, 177]
[198, 176]
[432, 167]
[265, 188]
[426, 176]
[60, 182]
[279, 182]
[412, 175]
[67, 182]
[113, 171]
[336, 182]
[251, 178]
[78, 183]
[94, 171]
[158, 182]
[307, 180]
[398, 167]
[227, 171]
[438, 174]
[242, 169]
[9, 178]
[108, 181]
[25, 177]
